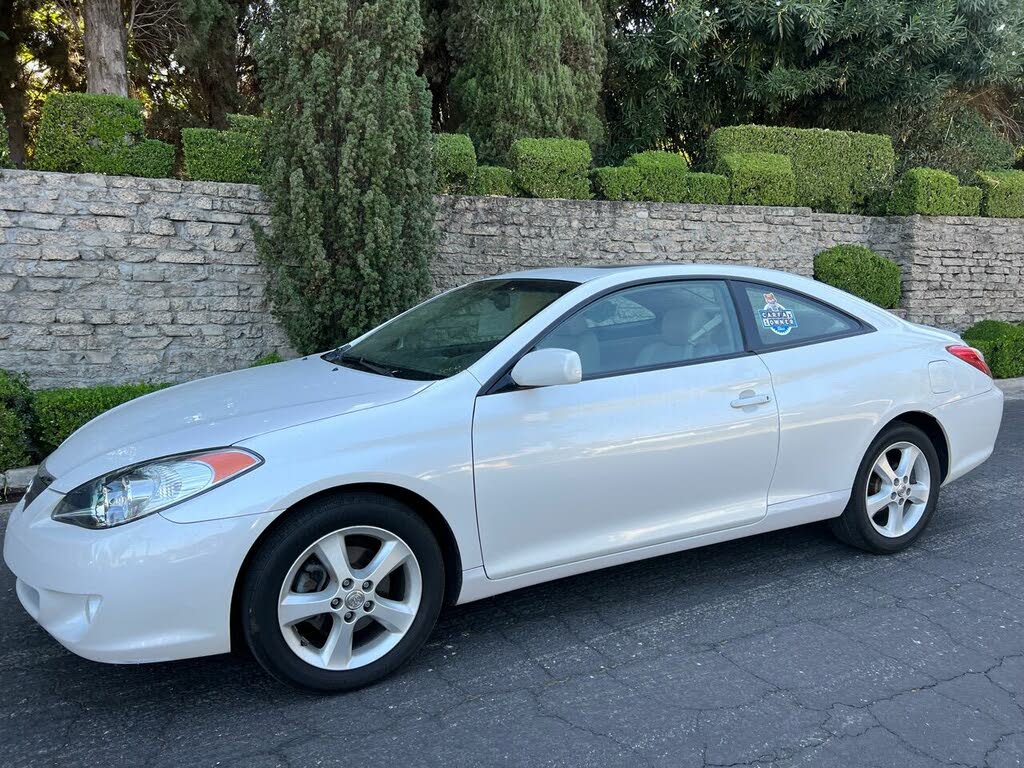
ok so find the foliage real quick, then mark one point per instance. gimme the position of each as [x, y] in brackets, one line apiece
[253, 125]
[15, 421]
[1002, 344]
[494, 181]
[526, 68]
[758, 178]
[5, 151]
[680, 68]
[617, 183]
[454, 162]
[211, 155]
[1002, 193]
[59, 412]
[554, 168]
[933, 193]
[270, 359]
[98, 133]
[349, 175]
[860, 271]
[704, 189]
[661, 175]
[988, 330]
[835, 170]
[952, 138]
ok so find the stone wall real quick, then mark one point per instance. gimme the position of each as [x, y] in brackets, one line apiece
[110, 279]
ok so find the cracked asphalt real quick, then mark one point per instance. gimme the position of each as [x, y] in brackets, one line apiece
[786, 649]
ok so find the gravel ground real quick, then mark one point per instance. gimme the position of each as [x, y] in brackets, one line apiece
[785, 649]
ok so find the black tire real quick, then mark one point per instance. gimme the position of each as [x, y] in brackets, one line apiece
[270, 564]
[854, 527]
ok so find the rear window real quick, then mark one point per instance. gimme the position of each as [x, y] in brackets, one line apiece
[783, 318]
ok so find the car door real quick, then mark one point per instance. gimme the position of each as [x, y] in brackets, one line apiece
[672, 433]
[831, 380]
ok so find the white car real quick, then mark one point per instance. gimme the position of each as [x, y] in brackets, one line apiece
[515, 430]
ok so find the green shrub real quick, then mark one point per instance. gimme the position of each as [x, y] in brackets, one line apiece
[98, 133]
[933, 193]
[622, 183]
[834, 170]
[232, 156]
[270, 359]
[758, 178]
[661, 175]
[454, 162]
[955, 138]
[1007, 360]
[1002, 193]
[59, 412]
[704, 188]
[1001, 343]
[860, 271]
[254, 125]
[492, 180]
[988, 330]
[15, 422]
[552, 168]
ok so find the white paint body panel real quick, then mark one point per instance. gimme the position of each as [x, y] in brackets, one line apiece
[552, 481]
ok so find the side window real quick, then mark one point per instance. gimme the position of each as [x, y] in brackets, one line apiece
[783, 318]
[649, 326]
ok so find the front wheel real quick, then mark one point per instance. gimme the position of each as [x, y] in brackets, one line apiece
[343, 592]
[894, 494]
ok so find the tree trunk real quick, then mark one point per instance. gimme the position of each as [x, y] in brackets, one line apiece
[106, 69]
[12, 79]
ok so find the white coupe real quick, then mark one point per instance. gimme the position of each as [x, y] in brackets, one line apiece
[517, 429]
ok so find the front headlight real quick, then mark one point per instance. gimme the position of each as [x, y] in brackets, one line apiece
[143, 489]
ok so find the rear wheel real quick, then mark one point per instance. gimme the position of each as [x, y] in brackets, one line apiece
[344, 592]
[894, 494]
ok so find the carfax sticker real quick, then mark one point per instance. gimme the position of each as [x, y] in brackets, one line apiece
[775, 317]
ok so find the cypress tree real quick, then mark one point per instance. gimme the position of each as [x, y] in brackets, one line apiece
[350, 176]
[530, 68]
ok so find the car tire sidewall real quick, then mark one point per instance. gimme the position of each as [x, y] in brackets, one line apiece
[895, 434]
[266, 574]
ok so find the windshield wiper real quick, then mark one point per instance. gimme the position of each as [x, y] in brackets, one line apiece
[361, 363]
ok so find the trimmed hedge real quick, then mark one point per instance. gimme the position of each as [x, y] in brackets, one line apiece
[834, 170]
[493, 181]
[758, 178]
[15, 422]
[860, 271]
[231, 156]
[251, 124]
[704, 188]
[1002, 344]
[930, 192]
[98, 133]
[621, 183]
[552, 168]
[1002, 194]
[59, 412]
[661, 175]
[454, 162]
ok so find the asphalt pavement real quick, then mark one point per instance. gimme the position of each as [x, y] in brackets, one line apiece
[785, 649]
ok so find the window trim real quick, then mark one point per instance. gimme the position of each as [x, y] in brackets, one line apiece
[501, 380]
[754, 343]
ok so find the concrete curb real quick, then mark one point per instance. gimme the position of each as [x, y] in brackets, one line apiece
[15, 481]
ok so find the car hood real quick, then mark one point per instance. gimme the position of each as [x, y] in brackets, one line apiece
[219, 411]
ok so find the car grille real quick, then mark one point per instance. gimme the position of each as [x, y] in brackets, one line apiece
[39, 484]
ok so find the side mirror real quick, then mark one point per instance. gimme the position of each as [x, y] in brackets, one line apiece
[548, 368]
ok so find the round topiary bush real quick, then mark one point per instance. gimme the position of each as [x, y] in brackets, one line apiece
[860, 271]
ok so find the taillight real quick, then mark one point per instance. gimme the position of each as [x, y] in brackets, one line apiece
[971, 356]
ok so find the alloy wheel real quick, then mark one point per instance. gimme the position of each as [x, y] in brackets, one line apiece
[350, 598]
[899, 485]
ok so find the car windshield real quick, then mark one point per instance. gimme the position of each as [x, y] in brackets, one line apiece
[446, 335]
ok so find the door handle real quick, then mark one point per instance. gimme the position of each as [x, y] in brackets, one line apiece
[748, 398]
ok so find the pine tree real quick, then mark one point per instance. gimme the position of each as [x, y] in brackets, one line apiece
[526, 68]
[350, 177]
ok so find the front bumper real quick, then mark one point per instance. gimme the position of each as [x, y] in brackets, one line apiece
[150, 590]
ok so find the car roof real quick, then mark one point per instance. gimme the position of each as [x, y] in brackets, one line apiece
[624, 272]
